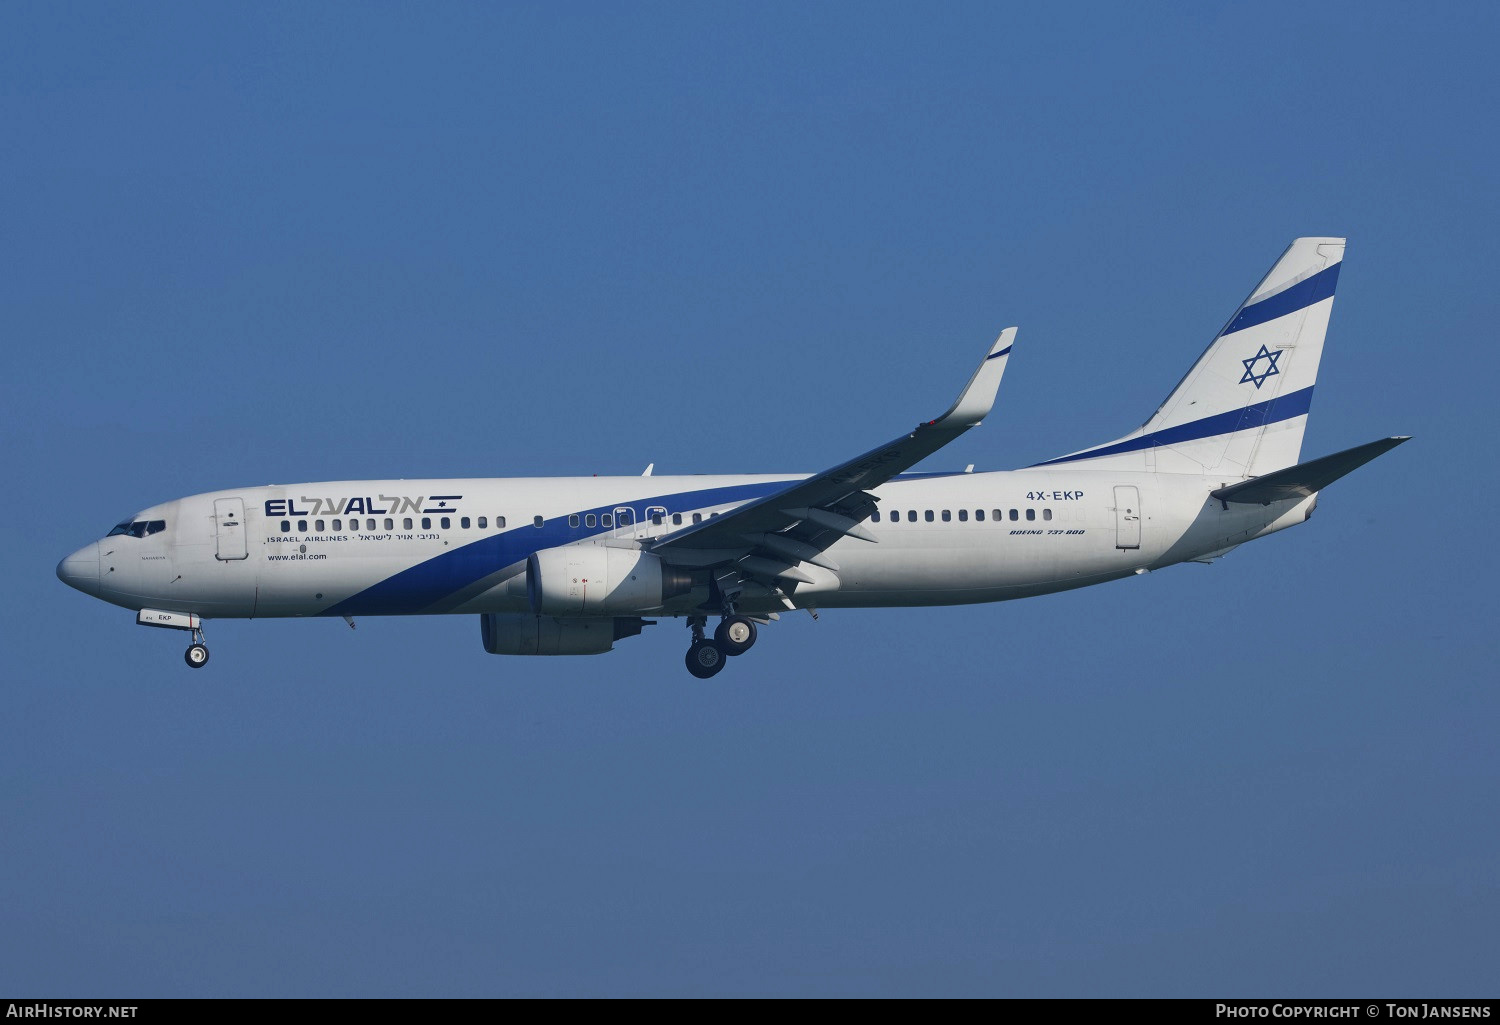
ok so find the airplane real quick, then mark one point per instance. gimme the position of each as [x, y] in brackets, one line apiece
[570, 565]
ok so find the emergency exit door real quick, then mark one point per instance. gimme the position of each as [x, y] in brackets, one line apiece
[229, 526]
[1127, 516]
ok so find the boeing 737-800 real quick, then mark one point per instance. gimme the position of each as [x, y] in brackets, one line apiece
[570, 565]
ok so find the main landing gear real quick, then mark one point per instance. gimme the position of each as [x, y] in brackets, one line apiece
[735, 635]
[705, 658]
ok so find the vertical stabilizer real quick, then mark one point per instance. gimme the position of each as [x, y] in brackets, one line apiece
[1241, 410]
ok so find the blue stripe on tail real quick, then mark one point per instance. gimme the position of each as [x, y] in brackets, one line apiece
[1300, 296]
[1247, 418]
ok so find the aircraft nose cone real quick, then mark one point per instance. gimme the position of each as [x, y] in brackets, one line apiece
[81, 569]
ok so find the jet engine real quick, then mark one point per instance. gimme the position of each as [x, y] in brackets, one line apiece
[522, 634]
[590, 579]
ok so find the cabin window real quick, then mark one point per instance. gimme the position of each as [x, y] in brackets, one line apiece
[1015, 515]
[590, 520]
[483, 522]
[963, 516]
[677, 519]
[1031, 514]
[370, 524]
[947, 516]
[445, 523]
[573, 520]
[911, 516]
[875, 516]
[319, 526]
[537, 521]
[656, 519]
[1046, 514]
[302, 526]
[979, 515]
[463, 522]
[697, 517]
[499, 522]
[426, 522]
[627, 517]
[390, 524]
[928, 516]
[406, 523]
[338, 526]
[286, 526]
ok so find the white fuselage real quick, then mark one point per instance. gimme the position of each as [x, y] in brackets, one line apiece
[408, 547]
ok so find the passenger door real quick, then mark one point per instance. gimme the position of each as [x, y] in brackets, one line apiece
[625, 522]
[1127, 516]
[229, 528]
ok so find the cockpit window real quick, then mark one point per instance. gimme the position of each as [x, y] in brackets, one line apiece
[138, 528]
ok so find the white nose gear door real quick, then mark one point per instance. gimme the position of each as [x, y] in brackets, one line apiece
[229, 527]
[1127, 517]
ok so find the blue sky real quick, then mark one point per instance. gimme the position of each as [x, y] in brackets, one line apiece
[310, 242]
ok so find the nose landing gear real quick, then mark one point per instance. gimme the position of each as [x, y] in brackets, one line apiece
[197, 653]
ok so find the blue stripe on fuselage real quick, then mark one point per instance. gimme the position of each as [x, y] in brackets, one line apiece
[1248, 418]
[438, 578]
[427, 583]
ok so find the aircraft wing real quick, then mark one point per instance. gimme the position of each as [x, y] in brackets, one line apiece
[768, 538]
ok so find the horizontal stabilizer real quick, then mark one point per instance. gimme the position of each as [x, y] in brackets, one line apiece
[1307, 478]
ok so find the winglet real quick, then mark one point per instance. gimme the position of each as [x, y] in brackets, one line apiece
[978, 397]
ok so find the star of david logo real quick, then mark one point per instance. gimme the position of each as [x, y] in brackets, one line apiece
[1269, 370]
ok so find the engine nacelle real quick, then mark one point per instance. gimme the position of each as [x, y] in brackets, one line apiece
[522, 634]
[593, 579]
